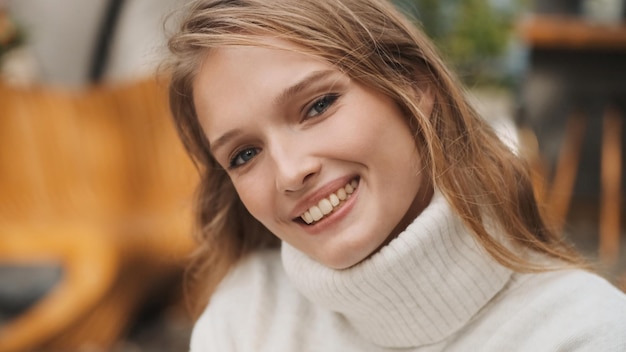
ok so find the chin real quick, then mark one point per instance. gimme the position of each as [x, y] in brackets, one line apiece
[339, 264]
[342, 259]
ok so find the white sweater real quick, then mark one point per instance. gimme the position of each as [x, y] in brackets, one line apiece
[431, 289]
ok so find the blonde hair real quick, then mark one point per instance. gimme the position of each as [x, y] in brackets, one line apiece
[371, 42]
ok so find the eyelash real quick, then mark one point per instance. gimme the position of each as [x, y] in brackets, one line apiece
[328, 99]
[234, 163]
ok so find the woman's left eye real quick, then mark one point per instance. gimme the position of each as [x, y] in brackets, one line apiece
[321, 105]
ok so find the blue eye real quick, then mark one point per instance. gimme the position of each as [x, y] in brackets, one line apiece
[321, 105]
[243, 157]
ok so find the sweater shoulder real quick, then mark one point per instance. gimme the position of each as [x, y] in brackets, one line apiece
[243, 299]
[559, 310]
[572, 292]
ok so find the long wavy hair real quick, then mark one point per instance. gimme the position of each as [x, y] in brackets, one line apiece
[374, 44]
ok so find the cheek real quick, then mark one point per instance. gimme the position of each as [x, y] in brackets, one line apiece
[354, 133]
[256, 196]
[383, 136]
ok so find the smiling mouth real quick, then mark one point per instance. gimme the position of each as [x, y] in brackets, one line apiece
[329, 204]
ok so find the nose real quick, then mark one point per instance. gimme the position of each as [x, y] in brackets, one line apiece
[295, 166]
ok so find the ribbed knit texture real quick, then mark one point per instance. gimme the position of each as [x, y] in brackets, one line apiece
[421, 288]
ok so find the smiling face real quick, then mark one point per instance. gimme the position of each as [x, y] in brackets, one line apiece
[326, 164]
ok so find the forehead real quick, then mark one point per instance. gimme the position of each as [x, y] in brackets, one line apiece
[237, 81]
[241, 63]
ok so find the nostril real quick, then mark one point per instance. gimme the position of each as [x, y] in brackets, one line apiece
[307, 177]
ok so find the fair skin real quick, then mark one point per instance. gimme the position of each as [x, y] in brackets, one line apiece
[325, 163]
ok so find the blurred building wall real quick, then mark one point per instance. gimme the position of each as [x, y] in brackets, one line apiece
[62, 36]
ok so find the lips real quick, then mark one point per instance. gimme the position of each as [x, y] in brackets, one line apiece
[327, 205]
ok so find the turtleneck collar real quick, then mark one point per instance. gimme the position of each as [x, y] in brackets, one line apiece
[421, 288]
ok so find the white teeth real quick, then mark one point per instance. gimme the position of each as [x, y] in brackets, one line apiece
[326, 205]
[307, 217]
[334, 200]
[316, 213]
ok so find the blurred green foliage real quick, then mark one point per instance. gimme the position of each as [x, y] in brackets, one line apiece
[472, 35]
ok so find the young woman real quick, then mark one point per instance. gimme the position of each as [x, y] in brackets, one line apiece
[352, 200]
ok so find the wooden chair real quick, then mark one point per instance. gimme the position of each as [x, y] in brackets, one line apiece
[573, 35]
[557, 192]
[97, 181]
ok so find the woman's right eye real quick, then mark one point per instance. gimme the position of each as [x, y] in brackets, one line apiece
[243, 157]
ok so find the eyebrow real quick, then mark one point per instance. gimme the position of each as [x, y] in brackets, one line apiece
[223, 139]
[293, 90]
[284, 96]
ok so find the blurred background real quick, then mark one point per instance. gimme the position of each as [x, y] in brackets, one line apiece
[95, 188]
